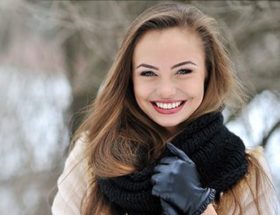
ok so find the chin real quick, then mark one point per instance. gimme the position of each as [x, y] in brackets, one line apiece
[167, 125]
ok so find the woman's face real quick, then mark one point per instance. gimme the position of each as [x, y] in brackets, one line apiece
[168, 75]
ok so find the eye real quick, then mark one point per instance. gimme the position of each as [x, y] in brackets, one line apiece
[147, 73]
[184, 71]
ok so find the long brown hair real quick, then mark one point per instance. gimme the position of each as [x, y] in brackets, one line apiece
[115, 125]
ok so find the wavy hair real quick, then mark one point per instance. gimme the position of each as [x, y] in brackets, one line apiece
[115, 125]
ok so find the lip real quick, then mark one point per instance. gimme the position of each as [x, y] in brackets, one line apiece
[167, 101]
[171, 111]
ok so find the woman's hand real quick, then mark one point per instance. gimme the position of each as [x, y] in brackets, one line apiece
[176, 182]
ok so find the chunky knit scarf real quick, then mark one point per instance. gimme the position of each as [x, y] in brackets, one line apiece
[219, 156]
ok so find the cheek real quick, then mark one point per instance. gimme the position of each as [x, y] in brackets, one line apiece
[200, 92]
[135, 86]
[194, 87]
[141, 89]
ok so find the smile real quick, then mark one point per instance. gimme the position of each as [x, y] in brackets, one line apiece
[168, 108]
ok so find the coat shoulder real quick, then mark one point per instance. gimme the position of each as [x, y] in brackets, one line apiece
[73, 182]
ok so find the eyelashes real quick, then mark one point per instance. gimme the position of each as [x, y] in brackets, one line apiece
[180, 72]
[185, 71]
[147, 73]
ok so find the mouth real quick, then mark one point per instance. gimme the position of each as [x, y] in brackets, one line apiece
[168, 108]
[168, 105]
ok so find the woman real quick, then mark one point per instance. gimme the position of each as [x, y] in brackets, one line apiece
[154, 141]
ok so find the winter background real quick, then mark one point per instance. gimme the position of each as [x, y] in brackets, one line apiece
[54, 55]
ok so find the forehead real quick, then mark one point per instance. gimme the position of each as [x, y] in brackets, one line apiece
[172, 44]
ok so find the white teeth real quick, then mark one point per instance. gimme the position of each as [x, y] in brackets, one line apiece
[168, 106]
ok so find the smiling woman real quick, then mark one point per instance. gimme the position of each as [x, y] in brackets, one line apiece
[154, 141]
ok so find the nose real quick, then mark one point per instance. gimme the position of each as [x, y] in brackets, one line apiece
[166, 89]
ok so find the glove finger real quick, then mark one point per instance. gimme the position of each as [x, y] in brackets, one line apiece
[174, 150]
[168, 160]
[157, 191]
[167, 208]
[156, 178]
[161, 168]
[161, 192]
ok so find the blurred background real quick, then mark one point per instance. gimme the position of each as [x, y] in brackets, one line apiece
[54, 55]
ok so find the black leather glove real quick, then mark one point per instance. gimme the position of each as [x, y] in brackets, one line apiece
[176, 182]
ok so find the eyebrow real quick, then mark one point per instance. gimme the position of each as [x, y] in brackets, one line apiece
[174, 66]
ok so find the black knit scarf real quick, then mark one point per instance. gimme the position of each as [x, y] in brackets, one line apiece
[219, 156]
